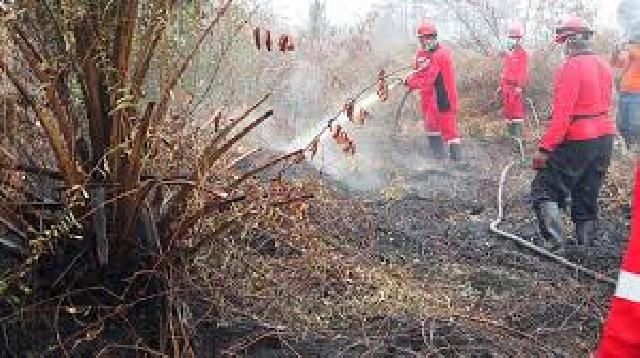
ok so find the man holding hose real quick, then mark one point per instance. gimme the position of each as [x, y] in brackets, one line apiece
[434, 77]
[575, 152]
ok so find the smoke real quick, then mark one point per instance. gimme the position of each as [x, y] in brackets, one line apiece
[629, 17]
[380, 154]
[311, 99]
[361, 171]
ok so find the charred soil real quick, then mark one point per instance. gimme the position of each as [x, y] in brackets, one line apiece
[432, 221]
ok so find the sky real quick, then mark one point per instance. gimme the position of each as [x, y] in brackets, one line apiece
[341, 12]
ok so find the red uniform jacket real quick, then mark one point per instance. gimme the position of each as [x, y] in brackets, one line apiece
[440, 76]
[515, 71]
[514, 77]
[581, 101]
[429, 107]
[621, 334]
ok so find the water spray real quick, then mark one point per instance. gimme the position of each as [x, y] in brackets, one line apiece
[322, 131]
[310, 141]
[307, 146]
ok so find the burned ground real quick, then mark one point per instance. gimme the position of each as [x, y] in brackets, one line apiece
[407, 268]
[433, 222]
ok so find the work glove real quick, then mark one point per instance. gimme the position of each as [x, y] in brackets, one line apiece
[540, 160]
[406, 80]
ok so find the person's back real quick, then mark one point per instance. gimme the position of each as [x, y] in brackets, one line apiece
[583, 99]
[595, 85]
[575, 151]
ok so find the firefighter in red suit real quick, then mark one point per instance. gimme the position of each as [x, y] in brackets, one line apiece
[621, 333]
[434, 77]
[514, 78]
[575, 152]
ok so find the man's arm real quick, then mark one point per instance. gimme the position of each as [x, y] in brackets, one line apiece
[425, 77]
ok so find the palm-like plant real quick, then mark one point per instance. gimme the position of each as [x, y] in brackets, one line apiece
[137, 180]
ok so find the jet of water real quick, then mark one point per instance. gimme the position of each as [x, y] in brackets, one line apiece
[322, 128]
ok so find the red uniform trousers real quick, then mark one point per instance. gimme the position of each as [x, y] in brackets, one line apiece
[512, 104]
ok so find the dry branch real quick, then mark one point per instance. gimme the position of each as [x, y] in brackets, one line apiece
[205, 160]
[161, 108]
[64, 158]
[263, 167]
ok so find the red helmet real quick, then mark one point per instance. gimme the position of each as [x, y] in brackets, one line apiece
[573, 24]
[515, 30]
[427, 29]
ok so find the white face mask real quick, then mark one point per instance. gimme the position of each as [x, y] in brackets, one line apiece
[429, 45]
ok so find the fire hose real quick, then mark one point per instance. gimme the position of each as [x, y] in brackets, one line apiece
[398, 113]
[494, 225]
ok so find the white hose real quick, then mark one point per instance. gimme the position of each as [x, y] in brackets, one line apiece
[535, 248]
[536, 118]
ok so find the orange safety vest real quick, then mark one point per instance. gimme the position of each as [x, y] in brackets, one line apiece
[630, 62]
[621, 333]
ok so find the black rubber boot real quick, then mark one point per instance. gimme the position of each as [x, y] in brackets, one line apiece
[436, 146]
[454, 152]
[550, 223]
[586, 231]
